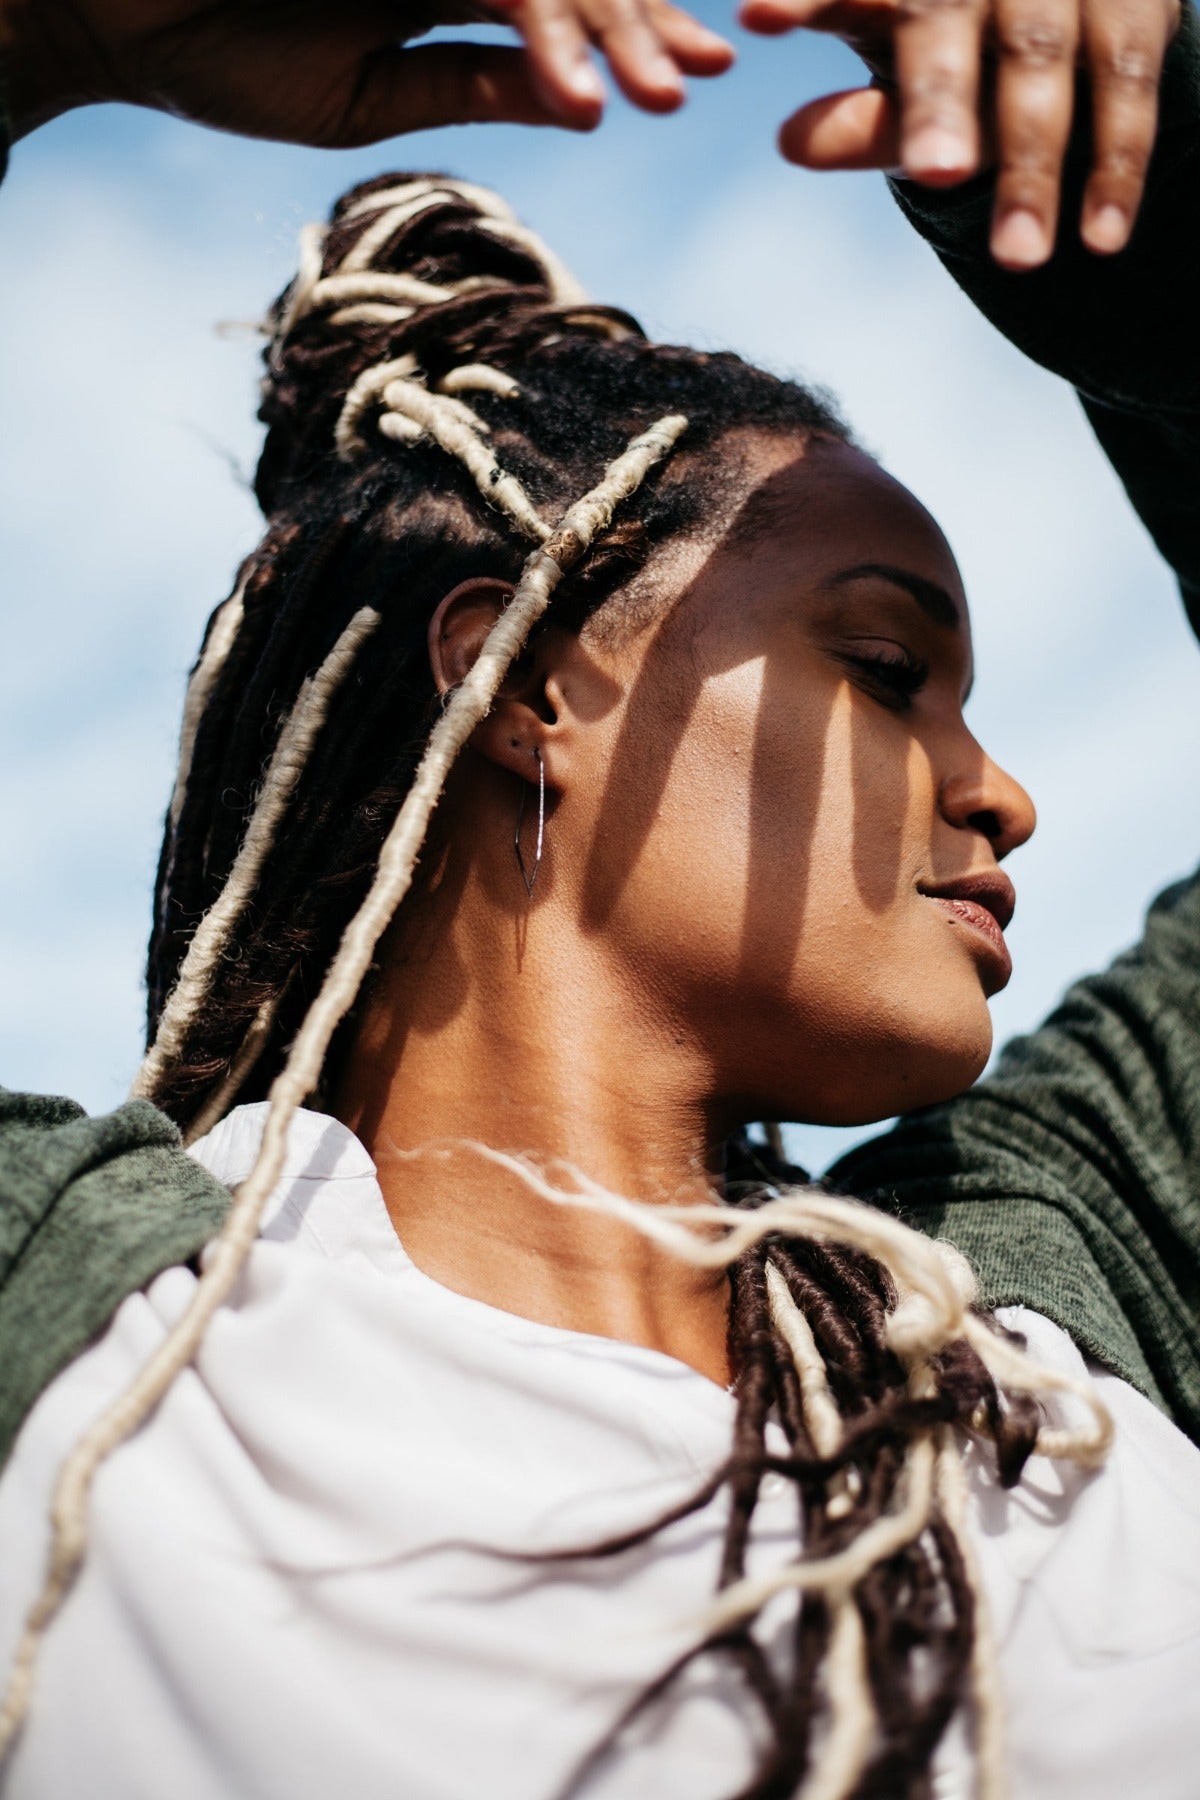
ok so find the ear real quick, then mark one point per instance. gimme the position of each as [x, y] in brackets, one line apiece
[517, 725]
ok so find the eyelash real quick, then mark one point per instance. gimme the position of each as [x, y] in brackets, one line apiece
[900, 676]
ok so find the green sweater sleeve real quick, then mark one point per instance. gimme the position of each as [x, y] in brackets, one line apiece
[90, 1210]
[1071, 1176]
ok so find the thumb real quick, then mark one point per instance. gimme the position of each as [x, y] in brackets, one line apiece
[858, 129]
[403, 90]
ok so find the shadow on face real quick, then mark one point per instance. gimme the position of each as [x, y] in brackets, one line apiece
[787, 777]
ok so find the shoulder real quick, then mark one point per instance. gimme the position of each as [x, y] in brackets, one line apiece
[90, 1210]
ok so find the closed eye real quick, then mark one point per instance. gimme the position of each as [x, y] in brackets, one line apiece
[893, 676]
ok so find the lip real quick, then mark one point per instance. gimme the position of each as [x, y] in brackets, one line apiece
[985, 903]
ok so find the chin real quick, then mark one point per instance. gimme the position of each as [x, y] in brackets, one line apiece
[939, 1068]
[874, 1077]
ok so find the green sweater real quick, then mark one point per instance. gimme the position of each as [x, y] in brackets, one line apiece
[1071, 1177]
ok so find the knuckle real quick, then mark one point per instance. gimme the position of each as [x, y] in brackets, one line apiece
[1122, 163]
[932, 88]
[1130, 66]
[1037, 43]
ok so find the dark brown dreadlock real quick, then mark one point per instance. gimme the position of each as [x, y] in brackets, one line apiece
[306, 734]
[917, 1607]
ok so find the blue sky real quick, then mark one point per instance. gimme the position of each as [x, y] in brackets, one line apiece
[129, 435]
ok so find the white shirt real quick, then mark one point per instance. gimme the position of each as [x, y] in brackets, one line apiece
[293, 1588]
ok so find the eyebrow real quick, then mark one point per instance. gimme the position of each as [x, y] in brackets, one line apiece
[932, 599]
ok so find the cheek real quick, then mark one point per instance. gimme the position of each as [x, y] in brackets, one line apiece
[868, 828]
[762, 815]
[825, 817]
[732, 834]
[878, 1006]
[758, 868]
[787, 817]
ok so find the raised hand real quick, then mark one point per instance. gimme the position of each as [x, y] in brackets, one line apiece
[340, 72]
[971, 83]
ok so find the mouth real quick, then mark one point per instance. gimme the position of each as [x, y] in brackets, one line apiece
[985, 904]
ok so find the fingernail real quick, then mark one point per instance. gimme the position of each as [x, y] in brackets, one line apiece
[935, 150]
[1108, 229]
[1020, 239]
[584, 81]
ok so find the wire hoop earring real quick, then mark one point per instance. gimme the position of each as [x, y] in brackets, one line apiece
[529, 872]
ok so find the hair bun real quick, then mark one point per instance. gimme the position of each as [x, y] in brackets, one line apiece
[422, 269]
[378, 262]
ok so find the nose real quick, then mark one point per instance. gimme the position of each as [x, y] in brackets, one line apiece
[987, 799]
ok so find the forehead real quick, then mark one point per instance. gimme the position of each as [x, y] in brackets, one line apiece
[813, 511]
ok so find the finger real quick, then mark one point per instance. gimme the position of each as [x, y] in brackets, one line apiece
[643, 69]
[858, 21]
[442, 84]
[859, 129]
[696, 49]
[769, 18]
[560, 59]
[937, 56]
[1035, 47]
[1125, 59]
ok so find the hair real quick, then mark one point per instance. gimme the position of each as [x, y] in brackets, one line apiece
[438, 394]
[366, 508]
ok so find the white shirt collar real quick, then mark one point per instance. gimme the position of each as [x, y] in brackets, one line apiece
[327, 1197]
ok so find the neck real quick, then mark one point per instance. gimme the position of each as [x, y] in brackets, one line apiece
[502, 1032]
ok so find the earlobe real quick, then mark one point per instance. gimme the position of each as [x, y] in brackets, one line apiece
[460, 625]
[511, 732]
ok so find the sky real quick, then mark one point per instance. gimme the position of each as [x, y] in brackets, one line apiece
[140, 250]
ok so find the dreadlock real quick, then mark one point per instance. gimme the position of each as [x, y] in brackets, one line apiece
[439, 392]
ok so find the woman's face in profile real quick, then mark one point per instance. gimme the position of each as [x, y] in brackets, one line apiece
[785, 791]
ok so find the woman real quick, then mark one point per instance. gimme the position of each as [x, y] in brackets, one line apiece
[715, 844]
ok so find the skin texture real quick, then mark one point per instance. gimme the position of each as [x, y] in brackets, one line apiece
[727, 923]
